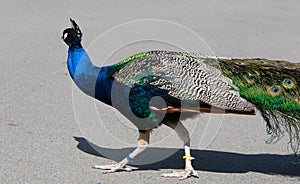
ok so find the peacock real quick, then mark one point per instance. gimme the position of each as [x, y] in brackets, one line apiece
[165, 87]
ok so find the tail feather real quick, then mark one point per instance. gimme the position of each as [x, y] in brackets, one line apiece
[274, 88]
[279, 123]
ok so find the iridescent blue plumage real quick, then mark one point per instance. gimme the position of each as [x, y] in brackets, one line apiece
[104, 85]
[74, 55]
[92, 80]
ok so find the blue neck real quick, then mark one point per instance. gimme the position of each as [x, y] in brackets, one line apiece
[92, 80]
[74, 56]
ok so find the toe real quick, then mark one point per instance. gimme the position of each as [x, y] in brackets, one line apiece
[113, 168]
[104, 167]
[128, 169]
[174, 174]
[185, 175]
[182, 175]
[195, 174]
[107, 171]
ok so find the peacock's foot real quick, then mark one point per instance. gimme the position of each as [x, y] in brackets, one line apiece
[112, 168]
[182, 174]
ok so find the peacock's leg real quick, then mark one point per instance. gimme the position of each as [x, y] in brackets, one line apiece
[183, 133]
[143, 143]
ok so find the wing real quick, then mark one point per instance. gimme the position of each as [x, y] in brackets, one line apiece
[184, 77]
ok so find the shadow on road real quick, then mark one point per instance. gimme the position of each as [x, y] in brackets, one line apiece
[206, 160]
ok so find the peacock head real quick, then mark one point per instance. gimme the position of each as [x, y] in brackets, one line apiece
[72, 36]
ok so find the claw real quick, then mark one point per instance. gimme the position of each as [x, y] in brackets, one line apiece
[182, 174]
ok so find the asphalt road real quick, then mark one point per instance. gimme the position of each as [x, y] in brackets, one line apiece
[49, 137]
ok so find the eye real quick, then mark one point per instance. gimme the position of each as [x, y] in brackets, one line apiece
[65, 35]
[288, 83]
[274, 90]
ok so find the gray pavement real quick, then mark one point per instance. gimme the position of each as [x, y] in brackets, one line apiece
[40, 139]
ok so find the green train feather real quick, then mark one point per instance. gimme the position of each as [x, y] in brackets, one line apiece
[274, 88]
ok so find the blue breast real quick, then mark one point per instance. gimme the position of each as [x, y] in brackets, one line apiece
[103, 86]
